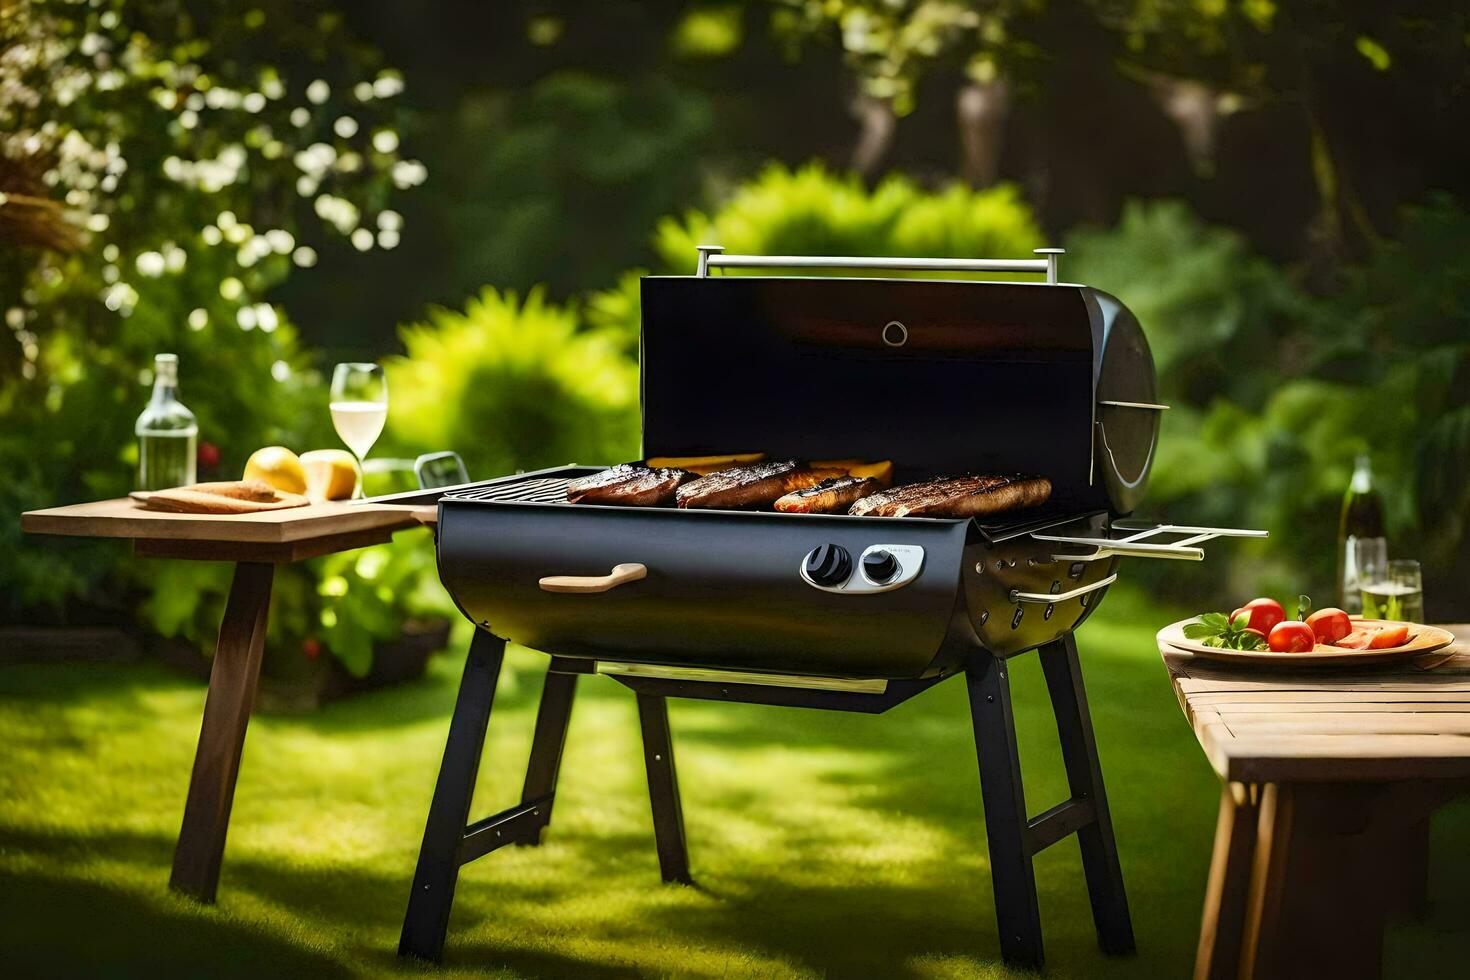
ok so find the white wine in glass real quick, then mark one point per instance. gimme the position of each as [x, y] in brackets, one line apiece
[359, 408]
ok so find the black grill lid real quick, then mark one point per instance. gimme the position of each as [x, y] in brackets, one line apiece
[940, 376]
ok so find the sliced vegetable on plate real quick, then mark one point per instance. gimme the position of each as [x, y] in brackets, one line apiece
[1389, 636]
[1330, 624]
[1261, 625]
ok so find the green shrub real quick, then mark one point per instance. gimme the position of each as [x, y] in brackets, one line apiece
[1215, 313]
[1276, 392]
[513, 385]
[811, 211]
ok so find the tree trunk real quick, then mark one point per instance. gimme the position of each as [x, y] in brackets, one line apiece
[1194, 108]
[981, 111]
[876, 121]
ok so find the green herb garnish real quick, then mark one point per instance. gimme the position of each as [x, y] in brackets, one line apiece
[1218, 630]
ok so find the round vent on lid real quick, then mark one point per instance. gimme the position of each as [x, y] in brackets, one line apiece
[1128, 409]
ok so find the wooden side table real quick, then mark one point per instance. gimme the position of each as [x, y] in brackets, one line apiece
[256, 543]
[1330, 778]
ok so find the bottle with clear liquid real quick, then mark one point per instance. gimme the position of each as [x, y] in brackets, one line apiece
[167, 432]
[1362, 520]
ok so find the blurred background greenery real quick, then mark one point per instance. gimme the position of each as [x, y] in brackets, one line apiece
[469, 191]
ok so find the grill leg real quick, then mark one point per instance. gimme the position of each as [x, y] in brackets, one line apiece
[663, 789]
[427, 919]
[1084, 777]
[546, 746]
[1016, 910]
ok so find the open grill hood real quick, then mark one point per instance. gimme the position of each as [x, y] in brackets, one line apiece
[939, 376]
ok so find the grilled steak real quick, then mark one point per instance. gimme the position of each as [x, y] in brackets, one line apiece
[628, 485]
[831, 496]
[750, 487]
[960, 496]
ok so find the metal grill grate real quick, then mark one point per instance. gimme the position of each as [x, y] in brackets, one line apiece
[539, 490]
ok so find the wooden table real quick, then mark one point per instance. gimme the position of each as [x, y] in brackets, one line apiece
[256, 543]
[1330, 778]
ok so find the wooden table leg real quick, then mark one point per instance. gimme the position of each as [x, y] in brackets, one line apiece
[232, 682]
[1317, 902]
[1223, 923]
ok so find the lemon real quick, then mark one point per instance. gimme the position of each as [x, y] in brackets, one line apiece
[277, 466]
[331, 474]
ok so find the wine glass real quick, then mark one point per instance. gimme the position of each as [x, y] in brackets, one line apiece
[359, 408]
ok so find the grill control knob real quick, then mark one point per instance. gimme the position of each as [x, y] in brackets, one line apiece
[879, 566]
[828, 564]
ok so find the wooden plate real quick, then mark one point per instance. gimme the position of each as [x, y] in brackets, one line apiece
[1422, 640]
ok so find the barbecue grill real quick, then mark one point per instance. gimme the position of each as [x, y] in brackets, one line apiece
[815, 610]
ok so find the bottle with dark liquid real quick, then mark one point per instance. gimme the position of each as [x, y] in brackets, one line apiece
[1362, 520]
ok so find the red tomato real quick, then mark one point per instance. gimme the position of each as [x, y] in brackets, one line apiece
[1358, 639]
[1389, 636]
[1291, 636]
[1264, 614]
[1330, 624]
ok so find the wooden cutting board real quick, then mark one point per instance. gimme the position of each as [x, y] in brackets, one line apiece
[125, 518]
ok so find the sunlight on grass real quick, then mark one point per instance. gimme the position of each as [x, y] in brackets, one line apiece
[824, 844]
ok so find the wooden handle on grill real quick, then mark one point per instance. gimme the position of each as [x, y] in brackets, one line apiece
[627, 572]
[426, 515]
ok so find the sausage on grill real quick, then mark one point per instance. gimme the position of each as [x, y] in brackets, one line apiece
[959, 496]
[628, 485]
[831, 496]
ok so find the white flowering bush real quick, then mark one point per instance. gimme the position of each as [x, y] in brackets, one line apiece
[159, 175]
[140, 139]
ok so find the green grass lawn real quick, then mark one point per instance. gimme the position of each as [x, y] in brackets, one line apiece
[825, 844]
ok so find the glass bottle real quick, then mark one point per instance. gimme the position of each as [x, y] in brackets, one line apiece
[1362, 521]
[167, 432]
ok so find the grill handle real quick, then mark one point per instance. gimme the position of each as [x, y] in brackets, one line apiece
[1018, 596]
[713, 257]
[630, 571]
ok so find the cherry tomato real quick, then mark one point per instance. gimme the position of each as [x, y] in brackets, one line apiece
[1330, 624]
[1389, 636]
[1358, 639]
[1291, 636]
[1264, 614]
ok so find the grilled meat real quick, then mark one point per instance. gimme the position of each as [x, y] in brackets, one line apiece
[831, 496]
[628, 485]
[960, 496]
[750, 487]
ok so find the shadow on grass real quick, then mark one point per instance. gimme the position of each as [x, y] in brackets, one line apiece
[96, 930]
[787, 913]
